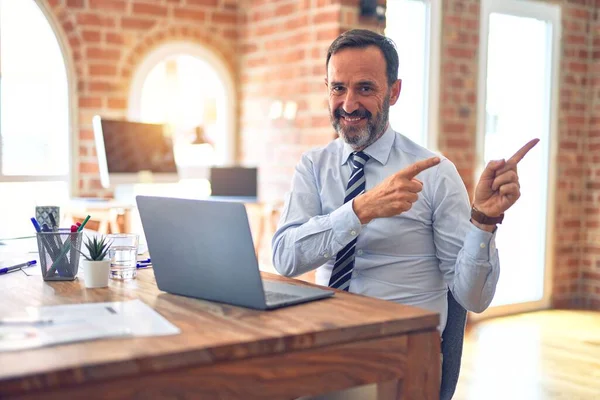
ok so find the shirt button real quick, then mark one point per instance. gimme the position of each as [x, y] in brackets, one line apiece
[326, 255]
[359, 252]
[482, 245]
[353, 233]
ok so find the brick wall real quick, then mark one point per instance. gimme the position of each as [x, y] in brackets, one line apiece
[590, 260]
[109, 38]
[458, 85]
[574, 112]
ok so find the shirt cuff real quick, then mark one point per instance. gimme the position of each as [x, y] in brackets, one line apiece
[480, 244]
[345, 224]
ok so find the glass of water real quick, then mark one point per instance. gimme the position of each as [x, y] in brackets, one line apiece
[123, 255]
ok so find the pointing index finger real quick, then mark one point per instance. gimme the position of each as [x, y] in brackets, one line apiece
[518, 156]
[415, 169]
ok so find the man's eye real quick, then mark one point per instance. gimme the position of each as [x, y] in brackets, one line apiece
[337, 89]
[365, 89]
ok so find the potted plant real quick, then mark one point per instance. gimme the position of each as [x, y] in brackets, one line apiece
[96, 266]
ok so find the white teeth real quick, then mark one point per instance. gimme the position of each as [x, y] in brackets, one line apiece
[352, 119]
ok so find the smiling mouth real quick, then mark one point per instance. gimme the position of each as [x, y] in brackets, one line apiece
[352, 120]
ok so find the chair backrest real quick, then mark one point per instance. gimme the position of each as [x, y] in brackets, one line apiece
[452, 347]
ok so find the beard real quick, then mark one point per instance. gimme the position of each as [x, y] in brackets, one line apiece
[361, 137]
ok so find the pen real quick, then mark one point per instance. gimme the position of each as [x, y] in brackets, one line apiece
[144, 263]
[66, 248]
[53, 221]
[18, 266]
[36, 225]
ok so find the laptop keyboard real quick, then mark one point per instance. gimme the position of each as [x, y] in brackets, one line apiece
[275, 297]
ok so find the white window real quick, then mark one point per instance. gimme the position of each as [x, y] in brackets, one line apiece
[414, 25]
[34, 116]
[189, 89]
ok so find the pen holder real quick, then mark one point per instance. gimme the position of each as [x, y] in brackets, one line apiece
[59, 254]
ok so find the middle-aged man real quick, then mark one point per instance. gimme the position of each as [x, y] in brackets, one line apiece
[379, 215]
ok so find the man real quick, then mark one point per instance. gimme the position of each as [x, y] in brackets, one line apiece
[378, 215]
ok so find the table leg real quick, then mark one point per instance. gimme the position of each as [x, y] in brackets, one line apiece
[422, 380]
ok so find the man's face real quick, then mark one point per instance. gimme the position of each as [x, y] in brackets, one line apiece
[359, 95]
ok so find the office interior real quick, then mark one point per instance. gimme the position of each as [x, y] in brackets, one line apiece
[237, 88]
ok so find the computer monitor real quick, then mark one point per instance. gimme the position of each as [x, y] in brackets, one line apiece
[133, 152]
[233, 181]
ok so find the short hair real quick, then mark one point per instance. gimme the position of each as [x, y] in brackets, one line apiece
[361, 38]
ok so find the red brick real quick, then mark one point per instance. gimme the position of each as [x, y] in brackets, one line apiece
[286, 9]
[108, 5]
[143, 8]
[91, 36]
[117, 102]
[86, 134]
[90, 19]
[96, 53]
[190, 14]
[224, 18]
[90, 102]
[115, 38]
[210, 3]
[100, 86]
[89, 167]
[102, 70]
[137, 23]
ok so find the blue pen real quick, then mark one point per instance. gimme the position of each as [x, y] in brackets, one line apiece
[147, 260]
[36, 225]
[18, 266]
[144, 265]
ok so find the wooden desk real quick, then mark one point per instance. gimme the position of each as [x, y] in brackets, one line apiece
[226, 352]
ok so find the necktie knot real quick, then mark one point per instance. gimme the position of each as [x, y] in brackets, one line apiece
[359, 159]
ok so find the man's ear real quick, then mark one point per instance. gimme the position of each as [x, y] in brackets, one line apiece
[395, 91]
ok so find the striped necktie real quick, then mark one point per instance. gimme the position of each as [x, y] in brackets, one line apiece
[344, 261]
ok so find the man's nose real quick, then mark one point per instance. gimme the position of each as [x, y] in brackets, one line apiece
[350, 102]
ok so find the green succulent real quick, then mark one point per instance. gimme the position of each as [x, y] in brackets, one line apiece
[97, 248]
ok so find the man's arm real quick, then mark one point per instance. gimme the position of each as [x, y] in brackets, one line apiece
[467, 254]
[305, 238]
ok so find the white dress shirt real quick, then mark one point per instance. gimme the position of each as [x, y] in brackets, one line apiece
[412, 258]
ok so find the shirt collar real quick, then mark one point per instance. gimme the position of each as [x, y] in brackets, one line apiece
[380, 150]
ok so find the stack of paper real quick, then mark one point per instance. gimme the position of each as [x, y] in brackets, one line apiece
[46, 326]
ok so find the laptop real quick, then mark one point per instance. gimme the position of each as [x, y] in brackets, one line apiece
[204, 249]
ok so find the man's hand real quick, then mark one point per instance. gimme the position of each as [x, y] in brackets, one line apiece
[394, 195]
[498, 188]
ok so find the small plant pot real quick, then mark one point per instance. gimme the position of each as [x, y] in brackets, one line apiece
[95, 273]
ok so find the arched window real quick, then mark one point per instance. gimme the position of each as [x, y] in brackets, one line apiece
[34, 116]
[190, 89]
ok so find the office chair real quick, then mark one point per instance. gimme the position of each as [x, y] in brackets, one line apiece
[452, 347]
